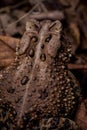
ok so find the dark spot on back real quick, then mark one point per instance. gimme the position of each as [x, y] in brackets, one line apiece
[31, 53]
[11, 90]
[43, 57]
[24, 80]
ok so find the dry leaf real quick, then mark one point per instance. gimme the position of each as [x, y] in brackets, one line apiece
[7, 50]
[76, 36]
[81, 117]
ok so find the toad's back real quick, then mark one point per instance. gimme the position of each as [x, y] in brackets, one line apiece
[40, 84]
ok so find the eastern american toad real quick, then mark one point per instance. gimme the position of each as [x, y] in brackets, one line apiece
[38, 92]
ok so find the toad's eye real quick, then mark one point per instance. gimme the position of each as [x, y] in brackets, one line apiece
[48, 38]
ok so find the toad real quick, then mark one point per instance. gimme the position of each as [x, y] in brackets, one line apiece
[38, 92]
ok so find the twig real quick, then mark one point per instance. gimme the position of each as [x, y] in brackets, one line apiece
[77, 66]
[12, 6]
[55, 15]
[43, 7]
[23, 16]
[34, 2]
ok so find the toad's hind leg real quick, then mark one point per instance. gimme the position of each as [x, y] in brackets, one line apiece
[59, 123]
[7, 116]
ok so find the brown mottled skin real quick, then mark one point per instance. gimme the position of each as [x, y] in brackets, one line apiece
[38, 92]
